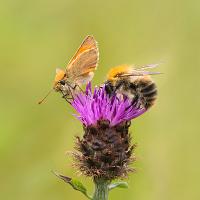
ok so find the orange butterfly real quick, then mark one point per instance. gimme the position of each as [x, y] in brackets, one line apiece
[80, 69]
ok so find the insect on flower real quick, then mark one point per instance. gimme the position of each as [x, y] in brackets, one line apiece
[80, 70]
[136, 84]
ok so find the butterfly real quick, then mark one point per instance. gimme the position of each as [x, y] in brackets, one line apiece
[80, 70]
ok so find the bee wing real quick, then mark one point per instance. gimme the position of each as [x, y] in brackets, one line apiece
[81, 67]
[139, 73]
[149, 66]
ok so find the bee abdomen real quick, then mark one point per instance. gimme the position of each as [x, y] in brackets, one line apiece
[148, 94]
[149, 87]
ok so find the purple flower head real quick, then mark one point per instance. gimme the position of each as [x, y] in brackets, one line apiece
[99, 106]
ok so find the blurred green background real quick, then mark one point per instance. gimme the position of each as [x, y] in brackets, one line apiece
[38, 36]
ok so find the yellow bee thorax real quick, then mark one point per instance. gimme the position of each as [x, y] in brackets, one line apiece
[116, 71]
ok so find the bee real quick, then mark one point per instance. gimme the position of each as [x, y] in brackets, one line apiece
[80, 70]
[136, 84]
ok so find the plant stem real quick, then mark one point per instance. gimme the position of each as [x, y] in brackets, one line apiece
[101, 189]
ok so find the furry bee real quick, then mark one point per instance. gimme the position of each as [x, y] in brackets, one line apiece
[79, 70]
[136, 84]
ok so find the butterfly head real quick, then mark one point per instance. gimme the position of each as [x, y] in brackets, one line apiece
[59, 79]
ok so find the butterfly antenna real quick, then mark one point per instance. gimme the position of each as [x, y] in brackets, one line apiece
[45, 97]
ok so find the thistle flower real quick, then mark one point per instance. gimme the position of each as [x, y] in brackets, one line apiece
[105, 151]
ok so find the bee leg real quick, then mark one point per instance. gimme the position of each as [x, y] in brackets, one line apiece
[135, 102]
[108, 89]
[112, 91]
[117, 87]
[138, 102]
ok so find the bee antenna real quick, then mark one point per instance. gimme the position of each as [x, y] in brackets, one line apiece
[39, 102]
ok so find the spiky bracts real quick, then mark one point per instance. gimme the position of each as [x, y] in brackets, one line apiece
[105, 151]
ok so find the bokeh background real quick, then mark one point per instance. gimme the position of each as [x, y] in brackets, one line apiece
[38, 36]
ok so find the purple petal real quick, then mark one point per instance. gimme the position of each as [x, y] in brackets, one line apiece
[95, 106]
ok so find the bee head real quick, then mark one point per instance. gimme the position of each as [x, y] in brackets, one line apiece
[59, 79]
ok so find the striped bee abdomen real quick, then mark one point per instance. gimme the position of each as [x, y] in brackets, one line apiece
[147, 93]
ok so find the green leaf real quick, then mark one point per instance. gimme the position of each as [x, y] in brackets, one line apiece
[76, 185]
[118, 185]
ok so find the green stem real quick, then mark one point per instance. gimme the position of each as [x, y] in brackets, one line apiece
[101, 189]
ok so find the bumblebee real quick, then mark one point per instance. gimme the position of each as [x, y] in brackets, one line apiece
[136, 84]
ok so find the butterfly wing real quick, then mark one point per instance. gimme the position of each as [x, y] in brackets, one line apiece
[82, 65]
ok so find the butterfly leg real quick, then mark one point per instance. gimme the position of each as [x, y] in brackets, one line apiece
[71, 94]
[79, 88]
[68, 99]
[75, 86]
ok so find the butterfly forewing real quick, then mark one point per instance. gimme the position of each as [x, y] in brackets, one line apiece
[84, 62]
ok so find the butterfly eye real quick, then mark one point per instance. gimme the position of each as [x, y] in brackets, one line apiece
[62, 82]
